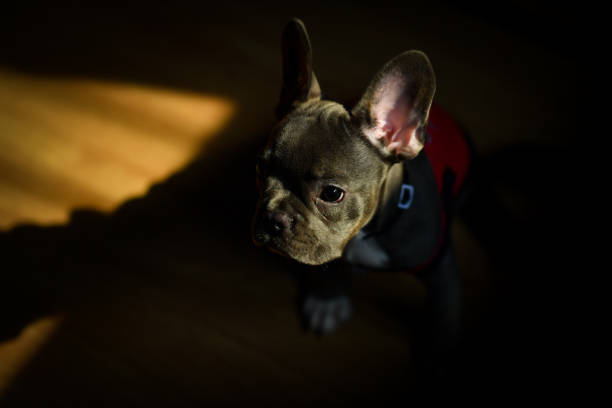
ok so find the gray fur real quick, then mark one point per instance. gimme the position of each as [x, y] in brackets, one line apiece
[317, 144]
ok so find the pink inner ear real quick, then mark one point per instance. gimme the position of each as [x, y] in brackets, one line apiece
[403, 140]
[395, 122]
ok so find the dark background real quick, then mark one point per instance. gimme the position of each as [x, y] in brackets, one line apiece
[166, 300]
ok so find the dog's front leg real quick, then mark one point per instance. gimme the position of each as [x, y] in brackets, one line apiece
[323, 302]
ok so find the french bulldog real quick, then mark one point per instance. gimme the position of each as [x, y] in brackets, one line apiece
[343, 190]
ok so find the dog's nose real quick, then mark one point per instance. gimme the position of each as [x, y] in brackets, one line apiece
[276, 222]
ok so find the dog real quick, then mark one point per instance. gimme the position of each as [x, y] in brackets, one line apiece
[369, 187]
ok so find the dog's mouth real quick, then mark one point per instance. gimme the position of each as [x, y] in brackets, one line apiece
[263, 239]
[300, 252]
[293, 242]
[275, 244]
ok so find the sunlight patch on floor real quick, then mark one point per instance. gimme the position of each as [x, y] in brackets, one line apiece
[16, 353]
[73, 143]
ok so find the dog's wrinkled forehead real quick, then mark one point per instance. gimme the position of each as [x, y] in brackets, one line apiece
[300, 135]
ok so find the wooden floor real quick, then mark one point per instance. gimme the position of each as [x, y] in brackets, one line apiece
[72, 143]
[127, 140]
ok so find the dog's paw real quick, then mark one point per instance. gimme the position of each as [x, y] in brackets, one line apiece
[326, 315]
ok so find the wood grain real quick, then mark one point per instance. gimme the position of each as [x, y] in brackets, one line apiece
[70, 143]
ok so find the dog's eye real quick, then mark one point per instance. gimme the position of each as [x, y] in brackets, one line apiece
[332, 194]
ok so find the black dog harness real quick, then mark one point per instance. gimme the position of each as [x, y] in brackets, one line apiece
[449, 153]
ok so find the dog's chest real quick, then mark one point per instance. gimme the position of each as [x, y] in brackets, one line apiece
[412, 222]
[406, 230]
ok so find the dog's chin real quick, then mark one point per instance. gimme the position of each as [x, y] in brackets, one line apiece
[315, 256]
[306, 254]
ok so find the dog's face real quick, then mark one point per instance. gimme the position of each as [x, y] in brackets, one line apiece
[311, 201]
[321, 173]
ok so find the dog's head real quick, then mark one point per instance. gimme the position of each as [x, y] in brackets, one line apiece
[321, 173]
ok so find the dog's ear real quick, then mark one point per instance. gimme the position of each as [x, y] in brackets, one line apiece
[299, 81]
[393, 111]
